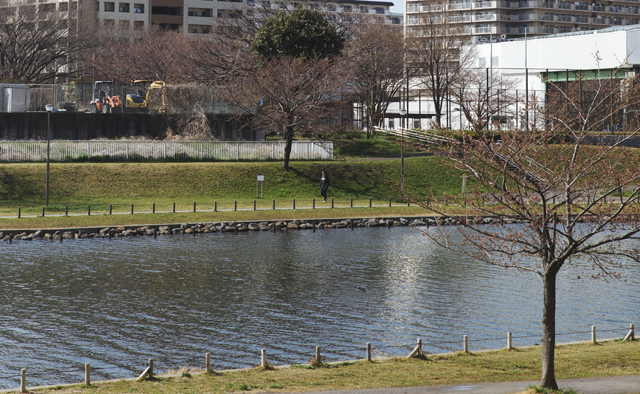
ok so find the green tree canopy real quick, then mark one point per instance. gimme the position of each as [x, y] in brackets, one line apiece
[302, 34]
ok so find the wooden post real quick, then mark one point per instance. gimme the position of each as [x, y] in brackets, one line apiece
[207, 362]
[274, 204]
[331, 202]
[368, 351]
[408, 203]
[294, 203]
[174, 207]
[314, 226]
[254, 205]
[19, 209]
[42, 211]
[87, 374]
[153, 210]
[417, 351]
[389, 202]
[263, 359]
[150, 375]
[317, 354]
[194, 206]
[23, 381]
[110, 209]
[351, 202]
[313, 205]
[215, 206]
[509, 341]
[235, 205]
[89, 210]
[66, 210]
[465, 344]
[593, 335]
[630, 335]
[132, 209]
[369, 202]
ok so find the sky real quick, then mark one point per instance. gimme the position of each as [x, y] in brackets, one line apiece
[398, 6]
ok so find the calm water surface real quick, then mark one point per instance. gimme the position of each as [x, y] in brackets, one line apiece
[116, 303]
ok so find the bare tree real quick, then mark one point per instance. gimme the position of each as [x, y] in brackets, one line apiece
[155, 55]
[574, 203]
[39, 43]
[286, 94]
[484, 98]
[377, 54]
[438, 52]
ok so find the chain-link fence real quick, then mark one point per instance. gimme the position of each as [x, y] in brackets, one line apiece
[140, 96]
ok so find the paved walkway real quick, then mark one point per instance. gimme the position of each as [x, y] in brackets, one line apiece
[608, 385]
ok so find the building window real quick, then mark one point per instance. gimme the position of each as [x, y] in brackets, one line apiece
[124, 25]
[123, 7]
[379, 10]
[416, 123]
[138, 25]
[391, 126]
[364, 10]
[138, 8]
[109, 6]
[109, 23]
[346, 8]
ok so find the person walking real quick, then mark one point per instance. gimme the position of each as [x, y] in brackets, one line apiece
[324, 185]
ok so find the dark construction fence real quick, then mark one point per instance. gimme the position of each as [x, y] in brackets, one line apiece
[86, 126]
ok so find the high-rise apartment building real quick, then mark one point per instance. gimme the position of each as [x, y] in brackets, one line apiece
[199, 16]
[481, 20]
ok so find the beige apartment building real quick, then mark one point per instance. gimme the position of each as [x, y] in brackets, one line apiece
[482, 20]
[189, 16]
[199, 16]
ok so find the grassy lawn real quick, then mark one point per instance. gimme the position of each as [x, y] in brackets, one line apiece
[572, 361]
[209, 185]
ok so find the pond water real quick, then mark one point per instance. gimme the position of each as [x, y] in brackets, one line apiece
[116, 303]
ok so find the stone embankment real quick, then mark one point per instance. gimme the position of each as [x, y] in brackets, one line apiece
[232, 227]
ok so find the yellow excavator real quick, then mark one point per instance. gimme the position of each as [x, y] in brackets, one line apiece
[144, 99]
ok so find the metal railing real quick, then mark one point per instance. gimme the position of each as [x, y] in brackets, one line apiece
[29, 151]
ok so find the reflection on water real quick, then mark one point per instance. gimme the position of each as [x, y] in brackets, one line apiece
[116, 303]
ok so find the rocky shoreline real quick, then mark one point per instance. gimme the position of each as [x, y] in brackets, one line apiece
[234, 227]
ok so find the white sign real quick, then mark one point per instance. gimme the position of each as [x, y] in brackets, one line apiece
[260, 177]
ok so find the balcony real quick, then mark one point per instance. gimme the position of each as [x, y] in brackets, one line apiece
[459, 6]
[478, 5]
[484, 17]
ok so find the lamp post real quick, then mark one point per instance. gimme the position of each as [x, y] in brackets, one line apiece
[403, 113]
[49, 108]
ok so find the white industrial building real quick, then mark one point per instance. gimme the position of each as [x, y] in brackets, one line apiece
[557, 57]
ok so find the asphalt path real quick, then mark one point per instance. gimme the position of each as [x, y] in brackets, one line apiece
[608, 385]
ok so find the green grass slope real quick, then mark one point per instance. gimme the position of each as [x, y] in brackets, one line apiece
[103, 183]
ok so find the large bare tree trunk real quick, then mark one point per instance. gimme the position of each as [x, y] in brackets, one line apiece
[549, 330]
[288, 137]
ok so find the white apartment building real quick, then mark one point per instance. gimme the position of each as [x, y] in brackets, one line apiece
[513, 19]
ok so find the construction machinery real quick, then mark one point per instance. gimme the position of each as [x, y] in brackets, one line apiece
[104, 97]
[147, 96]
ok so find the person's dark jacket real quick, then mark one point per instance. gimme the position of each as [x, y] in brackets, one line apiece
[325, 182]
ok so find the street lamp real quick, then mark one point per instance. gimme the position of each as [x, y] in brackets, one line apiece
[49, 108]
[403, 113]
